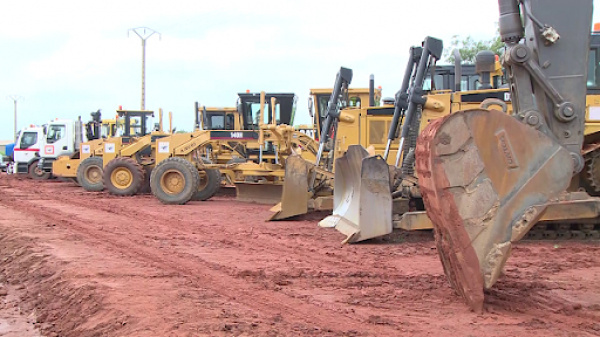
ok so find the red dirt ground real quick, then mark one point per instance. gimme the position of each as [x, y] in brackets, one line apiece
[90, 264]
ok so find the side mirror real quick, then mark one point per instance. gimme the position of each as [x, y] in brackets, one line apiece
[310, 107]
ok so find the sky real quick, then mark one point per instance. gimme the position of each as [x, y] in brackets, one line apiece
[67, 58]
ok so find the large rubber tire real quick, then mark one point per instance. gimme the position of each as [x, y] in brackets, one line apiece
[123, 176]
[89, 174]
[36, 173]
[210, 183]
[174, 181]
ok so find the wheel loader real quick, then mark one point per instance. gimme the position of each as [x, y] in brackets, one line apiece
[485, 177]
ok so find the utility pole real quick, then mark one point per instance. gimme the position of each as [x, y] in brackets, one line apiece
[144, 33]
[15, 99]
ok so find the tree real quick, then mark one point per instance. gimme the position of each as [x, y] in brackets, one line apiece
[468, 48]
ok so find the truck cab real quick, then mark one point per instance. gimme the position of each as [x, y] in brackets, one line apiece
[63, 137]
[27, 149]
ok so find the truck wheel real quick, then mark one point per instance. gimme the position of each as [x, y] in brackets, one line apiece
[123, 176]
[174, 181]
[210, 183]
[89, 174]
[37, 173]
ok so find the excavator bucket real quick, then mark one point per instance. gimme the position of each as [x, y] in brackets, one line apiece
[362, 202]
[295, 195]
[485, 178]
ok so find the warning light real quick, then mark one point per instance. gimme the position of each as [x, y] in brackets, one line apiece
[497, 58]
[597, 27]
[247, 91]
[379, 87]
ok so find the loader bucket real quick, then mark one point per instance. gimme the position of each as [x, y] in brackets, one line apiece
[294, 195]
[362, 202]
[485, 178]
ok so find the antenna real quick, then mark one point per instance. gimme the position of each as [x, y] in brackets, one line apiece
[144, 33]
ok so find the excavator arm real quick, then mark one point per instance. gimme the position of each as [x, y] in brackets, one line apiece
[487, 177]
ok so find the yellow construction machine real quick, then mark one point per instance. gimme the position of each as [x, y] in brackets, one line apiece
[307, 188]
[187, 165]
[484, 177]
[97, 130]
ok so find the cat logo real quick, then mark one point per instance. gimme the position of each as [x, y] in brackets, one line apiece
[85, 149]
[507, 97]
[237, 135]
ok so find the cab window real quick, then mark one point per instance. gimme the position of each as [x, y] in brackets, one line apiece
[28, 139]
[593, 77]
[55, 133]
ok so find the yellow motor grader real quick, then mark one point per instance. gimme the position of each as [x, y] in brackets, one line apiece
[184, 169]
[90, 174]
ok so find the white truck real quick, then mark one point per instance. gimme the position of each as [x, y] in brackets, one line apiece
[63, 137]
[27, 151]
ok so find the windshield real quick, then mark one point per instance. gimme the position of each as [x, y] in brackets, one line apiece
[106, 131]
[252, 111]
[593, 78]
[55, 132]
[28, 139]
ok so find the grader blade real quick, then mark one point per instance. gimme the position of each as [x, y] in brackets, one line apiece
[485, 179]
[362, 202]
[294, 195]
[259, 193]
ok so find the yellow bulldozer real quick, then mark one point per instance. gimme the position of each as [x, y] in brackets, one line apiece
[486, 177]
[309, 187]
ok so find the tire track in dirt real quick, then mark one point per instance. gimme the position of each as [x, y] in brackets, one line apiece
[526, 300]
[266, 302]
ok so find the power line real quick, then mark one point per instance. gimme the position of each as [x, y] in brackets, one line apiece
[144, 33]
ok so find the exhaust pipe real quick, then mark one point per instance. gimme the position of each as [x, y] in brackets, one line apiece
[371, 90]
[457, 70]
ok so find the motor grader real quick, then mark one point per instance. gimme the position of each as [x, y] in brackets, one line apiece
[97, 131]
[184, 169]
[485, 177]
[229, 139]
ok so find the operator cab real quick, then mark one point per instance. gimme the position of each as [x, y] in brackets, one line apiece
[593, 79]
[132, 123]
[220, 119]
[355, 98]
[470, 80]
[249, 108]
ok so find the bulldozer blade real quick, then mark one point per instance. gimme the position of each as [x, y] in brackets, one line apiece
[485, 180]
[259, 193]
[294, 195]
[362, 201]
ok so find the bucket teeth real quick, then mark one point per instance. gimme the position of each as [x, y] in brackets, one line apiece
[480, 173]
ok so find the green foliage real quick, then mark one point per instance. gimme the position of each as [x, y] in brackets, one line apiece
[468, 48]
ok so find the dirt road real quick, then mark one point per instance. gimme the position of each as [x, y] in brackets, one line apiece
[90, 264]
